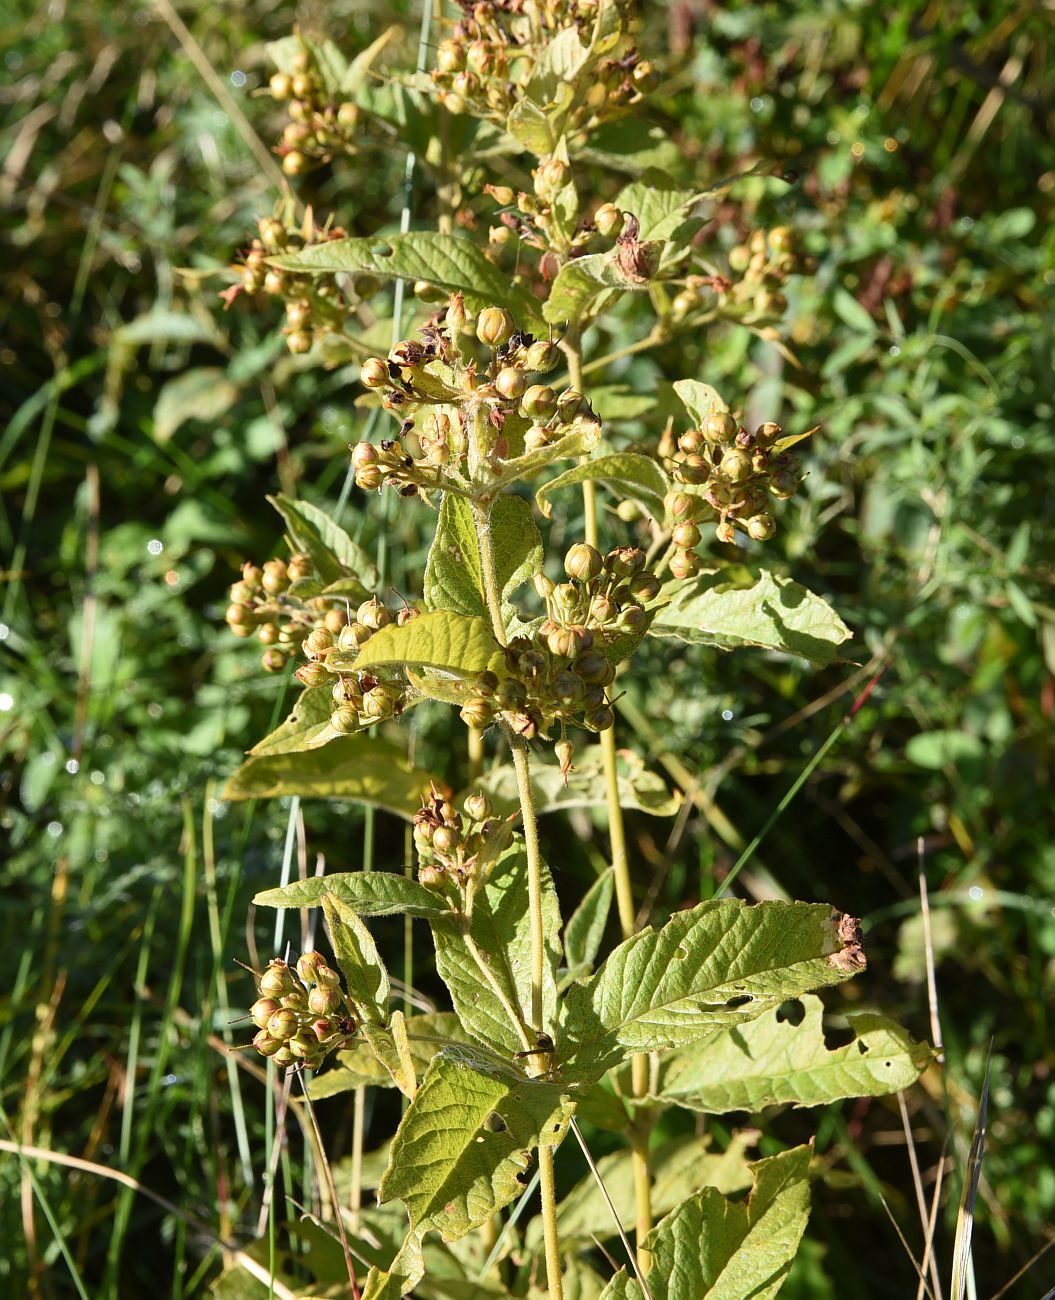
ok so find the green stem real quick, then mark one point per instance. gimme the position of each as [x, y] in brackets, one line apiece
[493, 600]
[639, 1138]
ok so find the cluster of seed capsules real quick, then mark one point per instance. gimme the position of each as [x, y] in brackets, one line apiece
[316, 305]
[530, 221]
[272, 602]
[731, 474]
[501, 378]
[360, 698]
[318, 128]
[562, 672]
[491, 53]
[450, 844]
[753, 292]
[302, 1013]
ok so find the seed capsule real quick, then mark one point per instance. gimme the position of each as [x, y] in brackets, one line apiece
[510, 382]
[761, 527]
[719, 427]
[495, 326]
[583, 562]
[282, 1024]
[539, 402]
[262, 1010]
[280, 85]
[686, 537]
[684, 564]
[265, 1044]
[345, 719]
[608, 219]
[541, 356]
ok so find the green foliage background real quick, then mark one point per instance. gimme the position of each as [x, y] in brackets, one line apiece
[136, 413]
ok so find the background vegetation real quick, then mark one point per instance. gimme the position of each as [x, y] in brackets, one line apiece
[142, 426]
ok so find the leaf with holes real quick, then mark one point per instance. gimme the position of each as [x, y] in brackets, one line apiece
[453, 577]
[718, 964]
[710, 1246]
[464, 1146]
[450, 262]
[307, 727]
[773, 613]
[630, 474]
[778, 1060]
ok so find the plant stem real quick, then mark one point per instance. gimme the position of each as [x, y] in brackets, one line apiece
[493, 599]
[620, 866]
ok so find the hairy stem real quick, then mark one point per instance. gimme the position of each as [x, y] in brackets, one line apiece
[620, 864]
[493, 599]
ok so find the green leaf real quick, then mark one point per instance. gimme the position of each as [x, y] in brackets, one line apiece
[627, 472]
[401, 1276]
[639, 788]
[367, 893]
[307, 727]
[333, 553]
[365, 977]
[450, 262]
[778, 1060]
[586, 925]
[718, 964]
[391, 1047]
[500, 933]
[726, 1250]
[585, 285]
[204, 393]
[453, 577]
[579, 439]
[359, 1065]
[362, 769]
[452, 1166]
[850, 310]
[700, 400]
[679, 1168]
[659, 204]
[936, 750]
[773, 613]
[455, 645]
[631, 145]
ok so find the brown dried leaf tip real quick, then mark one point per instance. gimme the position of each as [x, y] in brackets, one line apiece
[851, 956]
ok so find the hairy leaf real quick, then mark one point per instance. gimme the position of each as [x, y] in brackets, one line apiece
[700, 400]
[500, 935]
[450, 262]
[586, 925]
[585, 285]
[333, 553]
[628, 472]
[368, 893]
[774, 613]
[718, 964]
[365, 977]
[444, 642]
[360, 768]
[453, 577]
[401, 1276]
[391, 1047]
[660, 205]
[778, 1060]
[452, 1164]
[726, 1250]
[307, 727]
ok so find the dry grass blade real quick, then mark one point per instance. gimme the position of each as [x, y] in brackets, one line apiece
[961, 1260]
[921, 1200]
[631, 1254]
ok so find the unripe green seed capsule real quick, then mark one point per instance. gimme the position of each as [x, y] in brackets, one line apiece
[294, 163]
[262, 1010]
[644, 586]
[477, 807]
[374, 374]
[686, 537]
[736, 466]
[277, 979]
[511, 382]
[570, 403]
[725, 532]
[608, 219]
[761, 527]
[446, 839]
[684, 564]
[280, 86]
[321, 1001]
[719, 427]
[273, 660]
[345, 719]
[599, 719]
[541, 357]
[510, 694]
[282, 1024]
[268, 633]
[476, 712]
[265, 1044]
[539, 402]
[583, 562]
[495, 326]
[299, 342]
[625, 561]
[378, 704]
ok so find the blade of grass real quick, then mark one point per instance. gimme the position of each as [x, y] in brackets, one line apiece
[961, 1259]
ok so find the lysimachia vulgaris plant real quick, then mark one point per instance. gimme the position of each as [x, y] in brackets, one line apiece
[482, 418]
